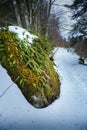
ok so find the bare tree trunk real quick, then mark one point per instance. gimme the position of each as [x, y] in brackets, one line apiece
[50, 3]
[48, 15]
[17, 13]
[26, 14]
[31, 13]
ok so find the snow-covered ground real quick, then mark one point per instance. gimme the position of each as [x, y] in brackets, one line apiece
[69, 112]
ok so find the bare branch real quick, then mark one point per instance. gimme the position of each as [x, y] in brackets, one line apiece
[52, 2]
[3, 1]
[59, 5]
[9, 87]
[65, 28]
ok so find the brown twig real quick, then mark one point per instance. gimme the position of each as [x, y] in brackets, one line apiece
[9, 87]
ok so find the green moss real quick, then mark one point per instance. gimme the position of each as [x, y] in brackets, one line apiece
[48, 92]
[32, 65]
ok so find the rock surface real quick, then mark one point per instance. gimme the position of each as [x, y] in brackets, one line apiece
[27, 61]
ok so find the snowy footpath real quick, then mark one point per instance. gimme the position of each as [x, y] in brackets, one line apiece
[68, 112]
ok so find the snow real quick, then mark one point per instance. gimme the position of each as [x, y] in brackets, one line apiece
[68, 112]
[22, 33]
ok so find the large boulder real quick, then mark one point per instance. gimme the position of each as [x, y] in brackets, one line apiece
[26, 58]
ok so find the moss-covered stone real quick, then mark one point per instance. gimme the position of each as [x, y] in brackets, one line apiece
[31, 66]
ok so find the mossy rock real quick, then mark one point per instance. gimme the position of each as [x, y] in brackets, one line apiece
[31, 66]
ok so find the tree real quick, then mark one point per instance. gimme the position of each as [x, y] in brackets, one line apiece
[14, 3]
[79, 28]
[53, 31]
[79, 8]
[6, 13]
[35, 15]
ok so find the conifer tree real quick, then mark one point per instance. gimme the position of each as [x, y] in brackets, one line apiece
[79, 8]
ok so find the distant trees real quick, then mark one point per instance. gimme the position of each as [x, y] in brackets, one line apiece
[53, 31]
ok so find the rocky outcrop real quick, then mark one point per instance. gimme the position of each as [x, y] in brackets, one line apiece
[31, 66]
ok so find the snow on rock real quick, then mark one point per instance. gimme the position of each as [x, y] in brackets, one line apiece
[25, 59]
[22, 33]
[69, 112]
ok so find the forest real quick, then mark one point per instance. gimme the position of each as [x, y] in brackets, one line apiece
[43, 65]
[34, 15]
[37, 16]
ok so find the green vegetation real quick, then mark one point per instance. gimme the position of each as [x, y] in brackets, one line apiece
[37, 80]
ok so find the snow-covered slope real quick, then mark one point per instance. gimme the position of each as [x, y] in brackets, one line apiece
[69, 112]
